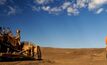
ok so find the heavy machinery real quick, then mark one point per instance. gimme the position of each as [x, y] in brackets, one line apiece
[11, 47]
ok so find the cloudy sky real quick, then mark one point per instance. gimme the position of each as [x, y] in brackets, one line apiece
[57, 23]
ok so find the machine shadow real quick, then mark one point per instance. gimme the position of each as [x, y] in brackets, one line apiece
[18, 59]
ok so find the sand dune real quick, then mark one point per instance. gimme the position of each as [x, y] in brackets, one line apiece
[61, 56]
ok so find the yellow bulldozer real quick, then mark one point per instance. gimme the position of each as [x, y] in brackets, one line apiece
[11, 47]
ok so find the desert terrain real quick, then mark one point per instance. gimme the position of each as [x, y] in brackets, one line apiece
[66, 56]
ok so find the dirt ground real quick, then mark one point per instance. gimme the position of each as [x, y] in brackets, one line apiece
[61, 56]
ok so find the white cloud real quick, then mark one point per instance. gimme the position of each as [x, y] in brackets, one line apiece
[93, 4]
[71, 10]
[55, 10]
[2, 2]
[99, 11]
[71, 7]
[82, 3]
[65, 5]
[42, 1]
[12, 11]
[46, 8]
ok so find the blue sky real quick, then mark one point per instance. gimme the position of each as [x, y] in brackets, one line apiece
[57, 23]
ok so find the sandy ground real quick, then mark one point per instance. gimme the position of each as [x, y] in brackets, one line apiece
[58, 56]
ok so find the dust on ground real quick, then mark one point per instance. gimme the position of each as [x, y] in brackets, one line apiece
[61, 56]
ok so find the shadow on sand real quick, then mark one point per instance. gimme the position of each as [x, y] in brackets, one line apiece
[5, 59]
